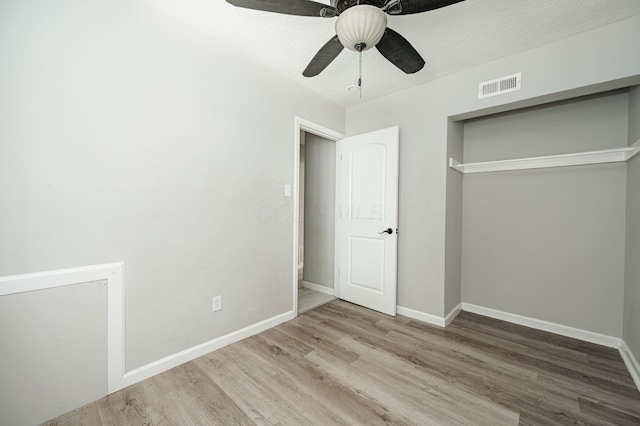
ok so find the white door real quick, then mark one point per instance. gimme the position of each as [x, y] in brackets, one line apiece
[367, 219]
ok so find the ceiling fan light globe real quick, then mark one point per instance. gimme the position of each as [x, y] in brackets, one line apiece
[361, 24]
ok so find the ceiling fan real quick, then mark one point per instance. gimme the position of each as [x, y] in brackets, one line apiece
[361, 25]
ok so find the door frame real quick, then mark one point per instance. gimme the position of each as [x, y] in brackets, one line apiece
[303, 125]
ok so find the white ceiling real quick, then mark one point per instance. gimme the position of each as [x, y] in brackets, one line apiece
[450, 39]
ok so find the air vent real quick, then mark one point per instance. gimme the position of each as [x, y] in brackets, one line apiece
[499, 86]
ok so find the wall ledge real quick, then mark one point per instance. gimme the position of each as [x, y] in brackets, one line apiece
[613, 155]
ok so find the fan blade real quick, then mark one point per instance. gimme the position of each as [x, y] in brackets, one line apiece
[400, 52]
[324, 57]
[406, 7]
[289, 7]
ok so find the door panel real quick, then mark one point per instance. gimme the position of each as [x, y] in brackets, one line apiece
[366, 184]
[367, 263]
[367, 204]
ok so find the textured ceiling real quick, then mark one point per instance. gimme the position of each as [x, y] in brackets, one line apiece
[450, 39]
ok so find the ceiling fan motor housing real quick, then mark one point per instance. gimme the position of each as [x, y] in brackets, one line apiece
[361, 27]
[342, 5]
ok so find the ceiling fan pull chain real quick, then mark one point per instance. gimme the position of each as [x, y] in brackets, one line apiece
[360, 74]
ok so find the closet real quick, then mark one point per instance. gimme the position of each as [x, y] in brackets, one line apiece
[543, 211]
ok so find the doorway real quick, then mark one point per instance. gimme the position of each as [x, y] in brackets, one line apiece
[316, 221]
[314, 217]
[346, 216]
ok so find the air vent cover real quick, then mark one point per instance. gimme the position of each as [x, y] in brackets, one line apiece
[499, 86]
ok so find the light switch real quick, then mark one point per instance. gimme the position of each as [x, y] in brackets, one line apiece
[287, 190]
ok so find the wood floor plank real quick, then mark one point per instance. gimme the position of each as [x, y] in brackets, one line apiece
[555, 405]
[346, 323]
[249, 388]
[535, 355]
[606, 412]
[499, 387]
[317, 337]
[287, 382]
[376, 390]
[345, 365]
[456, 403]
[625, 403]
[485, 358]
[449, 345]
[128, 406]
[336, 399]
[206, 402]
[284, 340]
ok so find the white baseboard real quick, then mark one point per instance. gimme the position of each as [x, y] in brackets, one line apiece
[563, 330]
[452, 314]
[171, 361]
[317, 287]
[421, 316]
[631, 362]
[430, 318]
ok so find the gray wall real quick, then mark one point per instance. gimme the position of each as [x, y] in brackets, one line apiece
[585, 124]
[53, 354]
[319, 202]
[632, 265]
[589, 65]
[548, 243]
[124, 136]
[634, 115]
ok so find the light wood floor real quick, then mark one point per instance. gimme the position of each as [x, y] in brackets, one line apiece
[342, 364]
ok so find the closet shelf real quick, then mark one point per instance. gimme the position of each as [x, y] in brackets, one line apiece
[614, 155]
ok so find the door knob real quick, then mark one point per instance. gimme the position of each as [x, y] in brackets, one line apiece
[386, 231]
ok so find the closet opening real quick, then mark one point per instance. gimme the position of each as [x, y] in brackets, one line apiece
[532, 234]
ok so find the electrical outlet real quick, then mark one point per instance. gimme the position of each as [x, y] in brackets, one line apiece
[217, 303]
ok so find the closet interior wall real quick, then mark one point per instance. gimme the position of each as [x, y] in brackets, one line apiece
[631, 327]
